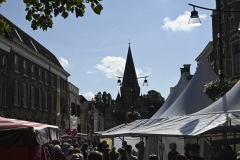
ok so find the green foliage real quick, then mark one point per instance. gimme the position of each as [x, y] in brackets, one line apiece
[103, 101]
[153, 96]
[41, 12]
[217, 88]
[4, 27]
[132, 116]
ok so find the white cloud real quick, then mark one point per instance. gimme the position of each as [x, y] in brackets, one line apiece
[89, 95]
[63, 62]
[180, 23]
[114, 66]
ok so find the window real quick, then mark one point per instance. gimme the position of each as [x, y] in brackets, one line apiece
[24, 95]
[4, 64]
[51, 101]
[32, 97]
[232, 24]
[231, 8]
[25, 68]
[223, 29]
[45, 100]
[236, 58]
[33, 71]
[4, 94]
[16, 92]
[16, 63]
[46, 77]
[40, 99]
[222, 17]
[40, 74]
[52, 80]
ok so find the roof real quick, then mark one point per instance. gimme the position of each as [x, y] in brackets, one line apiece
[26, 39]
[230, 102]
[178, 89]
[193, 99]
[130, 76]
[13, 128]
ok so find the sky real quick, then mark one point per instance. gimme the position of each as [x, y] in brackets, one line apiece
[93, 49]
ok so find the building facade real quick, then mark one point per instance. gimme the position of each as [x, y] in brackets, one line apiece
[33, 84]
[230, 36]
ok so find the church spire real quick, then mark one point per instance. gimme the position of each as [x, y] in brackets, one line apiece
[130, 76]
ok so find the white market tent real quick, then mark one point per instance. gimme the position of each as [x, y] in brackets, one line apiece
[178, 89]
[230, 102]
[193, 98]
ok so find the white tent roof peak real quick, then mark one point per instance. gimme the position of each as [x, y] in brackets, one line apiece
[182, 83]
[193, 98]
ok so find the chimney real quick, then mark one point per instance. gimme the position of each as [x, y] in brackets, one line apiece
[187, 70]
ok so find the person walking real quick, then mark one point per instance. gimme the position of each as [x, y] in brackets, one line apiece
[172, 154]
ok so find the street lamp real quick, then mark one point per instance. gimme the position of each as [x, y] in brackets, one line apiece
[194, 20]
[145, 83]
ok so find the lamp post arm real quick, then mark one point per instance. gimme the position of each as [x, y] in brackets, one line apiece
[210, 9]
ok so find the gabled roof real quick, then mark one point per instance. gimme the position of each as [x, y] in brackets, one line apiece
[130, 76]
[17, 33]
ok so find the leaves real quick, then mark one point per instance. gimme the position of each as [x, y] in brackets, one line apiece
[41, 12]
[217, 88]
[4, 27]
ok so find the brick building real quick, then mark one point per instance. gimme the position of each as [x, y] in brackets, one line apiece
[33, 84]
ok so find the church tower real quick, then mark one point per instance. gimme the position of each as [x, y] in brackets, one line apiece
[130, 89]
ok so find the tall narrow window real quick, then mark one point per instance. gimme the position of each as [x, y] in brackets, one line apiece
[16, 63]
[24, 95]
[4, 94]
[40, 74]
[40, 99]
[45, 100]
[52, 80]
[25, 68]
[46, 77]
[33, 71]
[32, 97]
[4, 64]
[51, 101]
[236, 58]
[16, 93]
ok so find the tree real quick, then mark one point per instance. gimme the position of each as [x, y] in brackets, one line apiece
[153, 96]
[41, 12]
[103, 101]
[153, 100]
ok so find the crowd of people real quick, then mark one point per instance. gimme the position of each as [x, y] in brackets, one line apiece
[192, 152]
[96, 150]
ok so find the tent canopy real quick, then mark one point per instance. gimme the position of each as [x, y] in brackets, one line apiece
[20, 132]
[193, 99]
[189, 125]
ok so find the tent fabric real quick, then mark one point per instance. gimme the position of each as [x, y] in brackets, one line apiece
[230, 102]
[190, 125]
[193, 98]
[128, 129]
[43, 133]
[182, 83]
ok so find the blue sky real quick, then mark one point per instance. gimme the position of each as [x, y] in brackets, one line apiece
[93, 48]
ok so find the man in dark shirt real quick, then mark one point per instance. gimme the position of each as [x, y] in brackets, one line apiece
[195, 148]
[172, 154]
